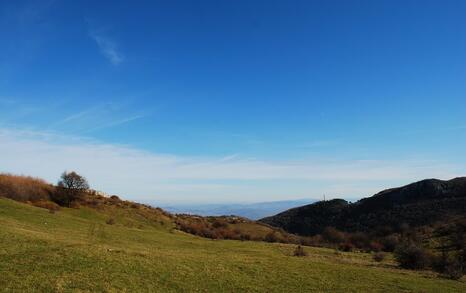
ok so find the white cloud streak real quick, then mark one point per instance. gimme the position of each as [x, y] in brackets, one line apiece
[96, 118]
[108, 48]
[139, 174]
[116, 123]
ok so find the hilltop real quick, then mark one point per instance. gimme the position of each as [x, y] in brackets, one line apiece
[422, 203]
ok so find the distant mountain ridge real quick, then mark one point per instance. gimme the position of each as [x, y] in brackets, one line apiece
[417, 204]
[253, 211]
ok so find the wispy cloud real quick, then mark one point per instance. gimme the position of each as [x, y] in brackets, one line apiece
[97, 117]
[116, 123]
[108, 47]
[77, 116]
[66, 116]
[139, 174]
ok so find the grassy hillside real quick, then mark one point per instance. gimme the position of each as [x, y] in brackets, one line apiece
[76, 250]
[39, 193]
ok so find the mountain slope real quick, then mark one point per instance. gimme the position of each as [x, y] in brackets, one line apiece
[76, 250]
[422, 203]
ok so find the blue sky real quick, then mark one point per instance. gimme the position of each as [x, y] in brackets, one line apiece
[234, 100]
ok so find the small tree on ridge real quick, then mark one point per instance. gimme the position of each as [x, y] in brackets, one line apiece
[72, 186]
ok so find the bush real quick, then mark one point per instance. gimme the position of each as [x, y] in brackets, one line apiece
[219, 224]
[332, 235]
[375, 246]
[245, 237]
[61, 197]
[347, 246]
[378, 256]
[75, 205]
[115, 198]
[390, 242]
[449, 266]
[454, 271]
[224, 233]
[22, 188]
[206, 233]
[299, 251]
[271, 237]
[411, 256]
[315, 240]
[51, 206]
[360, 240]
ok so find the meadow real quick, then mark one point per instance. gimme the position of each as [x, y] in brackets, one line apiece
[77, 250]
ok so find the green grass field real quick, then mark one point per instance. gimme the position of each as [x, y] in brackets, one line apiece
[74, 250]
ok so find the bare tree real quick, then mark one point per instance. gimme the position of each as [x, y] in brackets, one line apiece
[72, 186]
[73, 181]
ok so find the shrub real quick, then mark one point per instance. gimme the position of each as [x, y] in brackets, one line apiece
[378, 256]
[347, 246]
[450, 266]
[74, 205]
[332, 235]
[384, 230]
[390, 242]
[219, 224]
[51, 206]
[454, 271]
[115, 198]
[271, 237]
[94, 203]
[245, 237]
[299, 251]
[411, 256]
[207, 233]
[360, 240]
[458, 238]
[224, 233]
[22, 188]
[375, 246]
[315, 240]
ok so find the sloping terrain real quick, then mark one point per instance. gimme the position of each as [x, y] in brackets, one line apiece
[38, 192]
[418, 204]
[79, 250]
